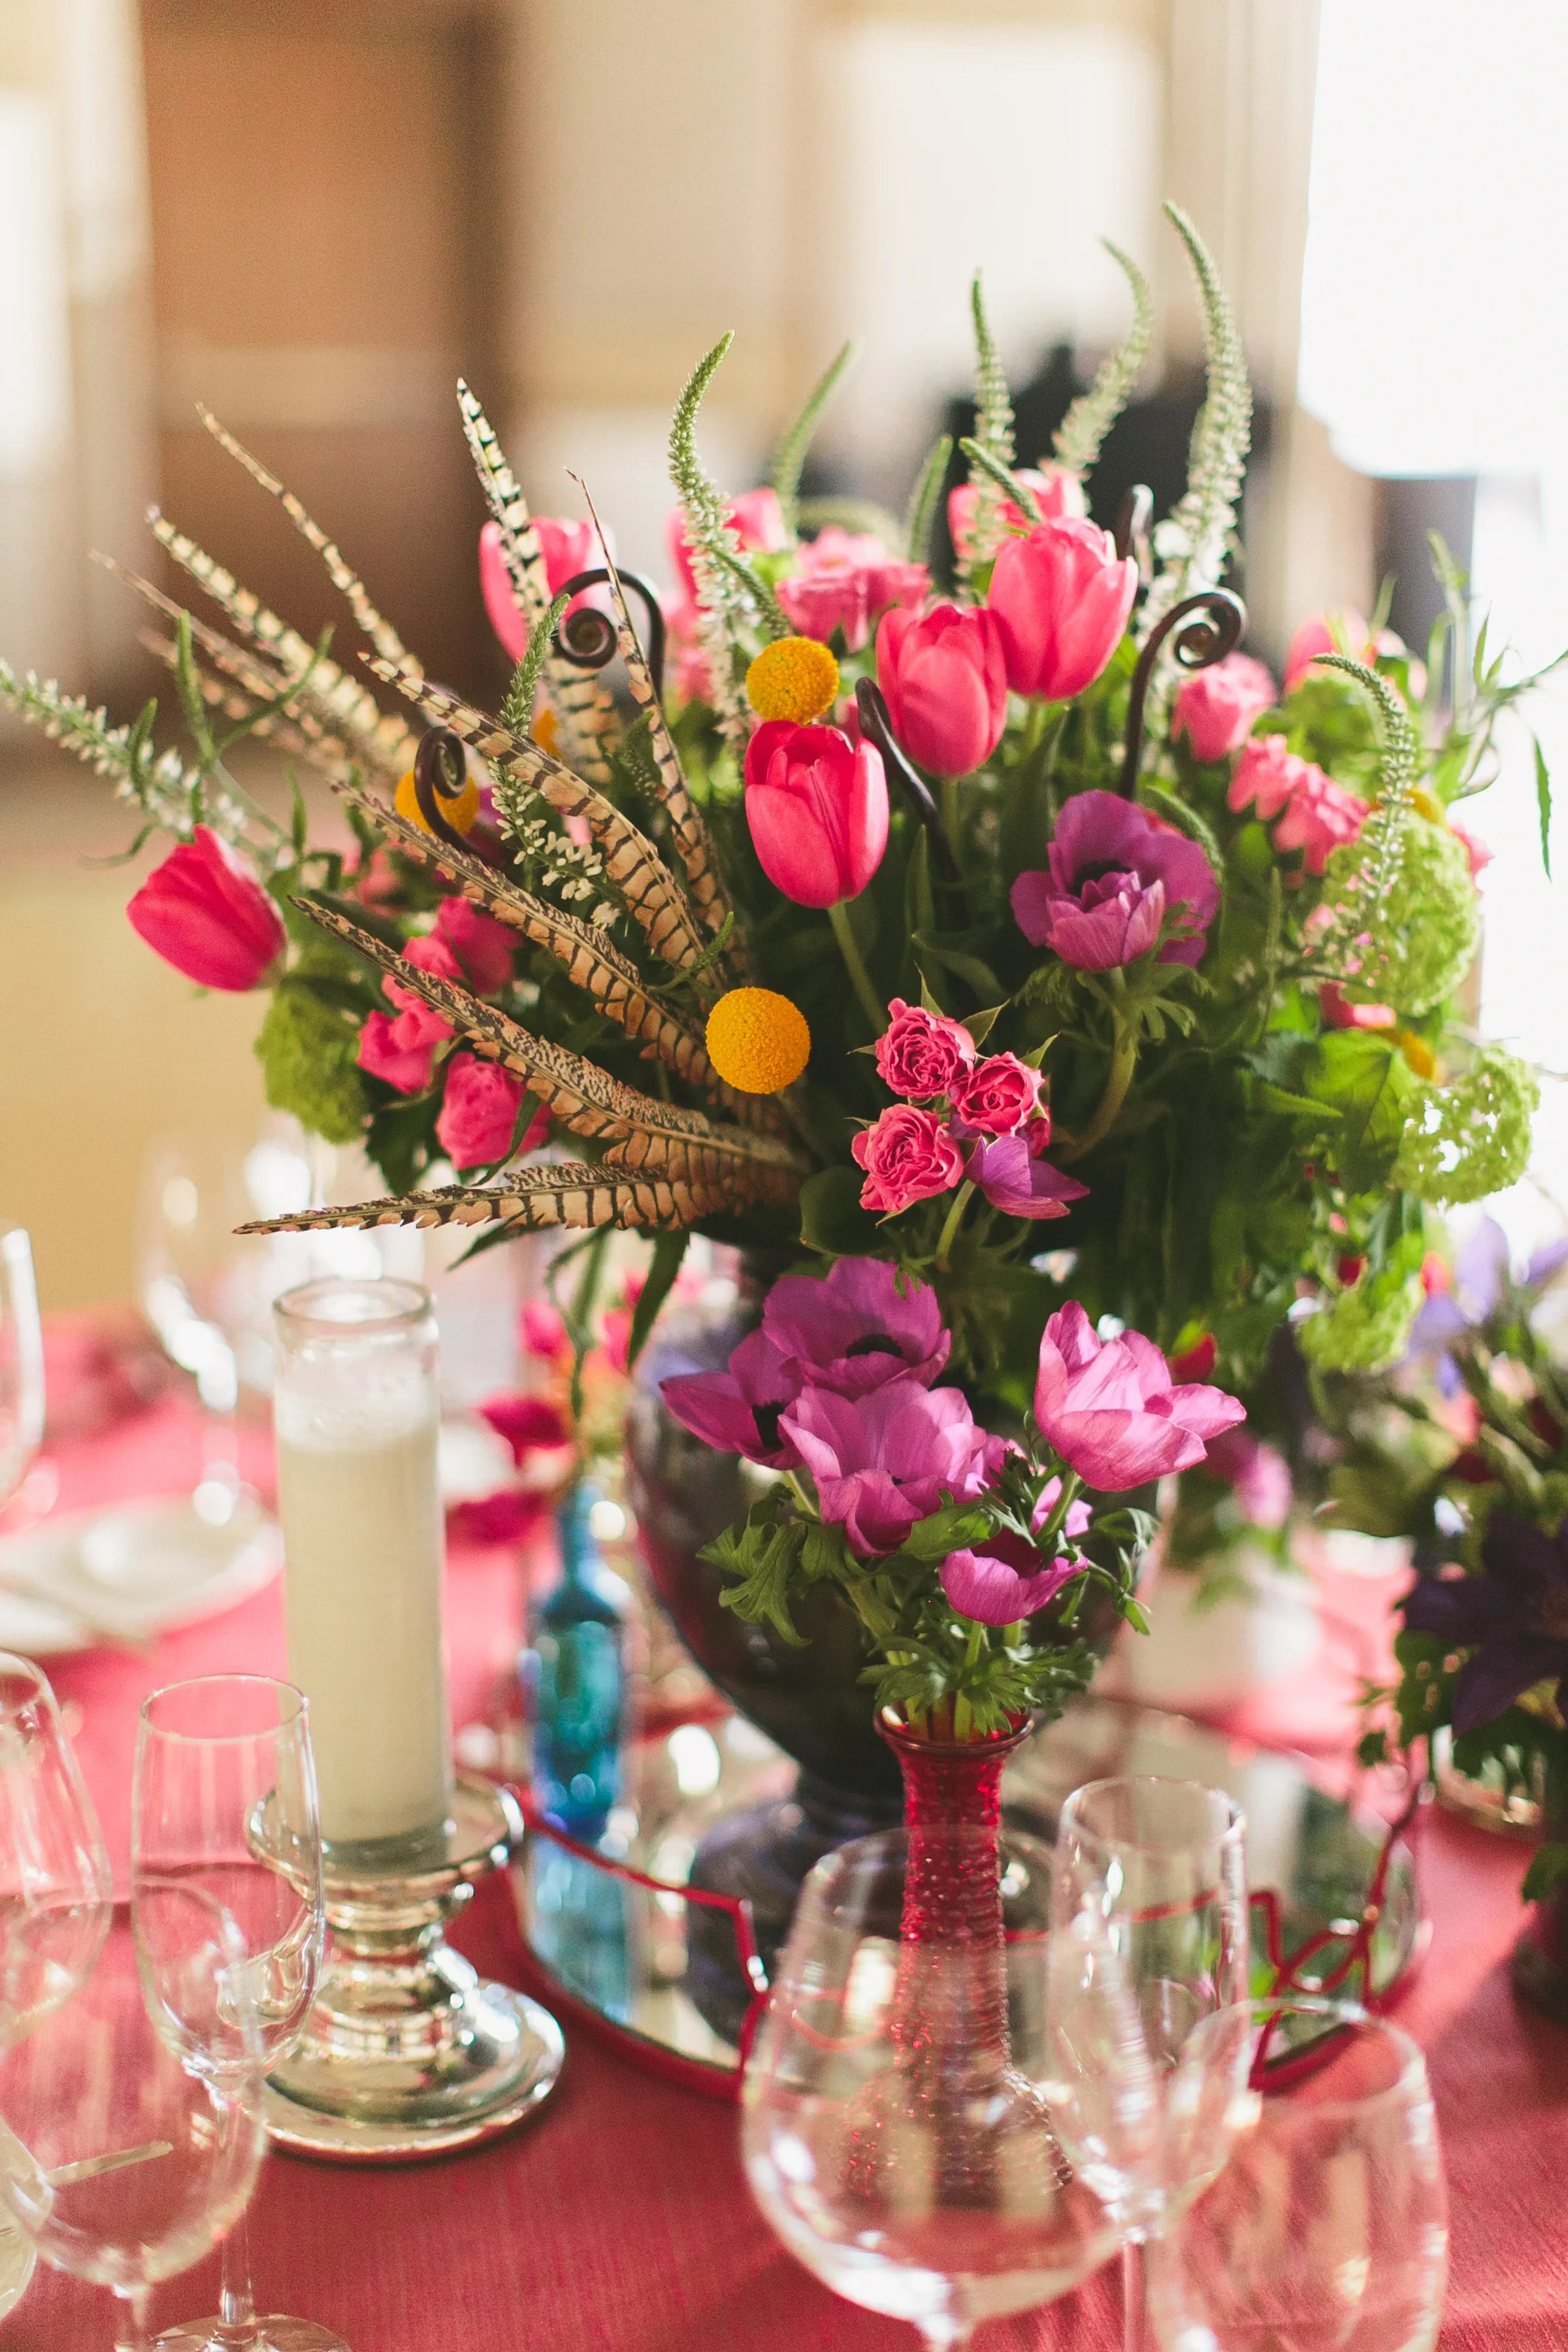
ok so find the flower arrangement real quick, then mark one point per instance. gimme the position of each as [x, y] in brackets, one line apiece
[895, 926]
[1463, 1450]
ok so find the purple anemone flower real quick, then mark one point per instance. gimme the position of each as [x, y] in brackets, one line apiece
[1003, 1581]
[1003, 1168]
[1481, 1274]
[1514, 1617]
[1114, 875]
[737, 1411]
[856, 1330]
[883, 1461]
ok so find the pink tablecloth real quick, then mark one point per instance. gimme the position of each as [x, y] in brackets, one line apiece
[619, 2221]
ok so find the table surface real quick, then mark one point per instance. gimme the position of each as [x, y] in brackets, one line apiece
[617, 2220]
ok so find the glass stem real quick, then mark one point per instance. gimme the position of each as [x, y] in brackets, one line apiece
[236, 2297]
[130, 2318]
[217, 1386]
[1132, 2296]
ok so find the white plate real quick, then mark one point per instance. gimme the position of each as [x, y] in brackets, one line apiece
[130, 1572]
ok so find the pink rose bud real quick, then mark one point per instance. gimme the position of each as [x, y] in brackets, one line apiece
[1062, 597]
[399, 1048]
[1318, 636]
[1215, 708]
[479, 1113]
[1267, 773]
[817, 808]
[946, 686]
[999, 1096]
[204, 912]
[920, 1053]
[908, 1156]
[1057, 493]
[1109, 1408]
[842, 580]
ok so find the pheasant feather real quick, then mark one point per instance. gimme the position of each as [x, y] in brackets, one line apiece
[533, 1200]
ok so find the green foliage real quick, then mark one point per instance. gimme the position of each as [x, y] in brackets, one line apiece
[1082, 431]
[723, 596]
[797, 443]
[1194, 541]
[307, 1046]
[517, 710]
[1472, 1136]
[925, 499]
[668, 1254]
[993, 440]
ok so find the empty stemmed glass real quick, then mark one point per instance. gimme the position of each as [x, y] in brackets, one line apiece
[1149, 1939]
[124, 2160]
[897, 2106]
[224, 1800]
[1326, 2229]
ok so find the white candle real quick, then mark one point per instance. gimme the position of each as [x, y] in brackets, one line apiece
[357, 1416]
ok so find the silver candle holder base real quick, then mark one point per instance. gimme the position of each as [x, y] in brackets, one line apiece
[408, 2051]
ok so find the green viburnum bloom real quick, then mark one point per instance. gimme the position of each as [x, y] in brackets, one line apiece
[306, 1048]
[1470, 1137]
[1422, 927]
[1365, 1328]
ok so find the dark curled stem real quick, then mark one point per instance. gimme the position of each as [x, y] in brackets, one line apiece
[440, 773]
[587, 637]
[1207, 627]
[876, 724]
[1132, 526]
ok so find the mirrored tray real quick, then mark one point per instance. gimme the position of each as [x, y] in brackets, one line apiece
[613, 1935]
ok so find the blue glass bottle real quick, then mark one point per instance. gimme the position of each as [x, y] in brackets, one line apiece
[575, 1679]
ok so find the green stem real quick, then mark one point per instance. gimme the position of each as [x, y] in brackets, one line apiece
[1123, 1062]
[581, 1317]
[955, 1219]
[860, 979]
[1047, 1537]
[803, 1504]
[951, 812]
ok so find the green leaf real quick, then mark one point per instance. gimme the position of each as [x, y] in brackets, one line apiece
[1548, 1871]
[762, 1560]
[1372, 1085]
[981, 1024]
[925, 499]
[792, 450]
[945, 1531]
[1543, 804]
[669, 1250]
[971, 969]
[517, 710]
[831, 1218]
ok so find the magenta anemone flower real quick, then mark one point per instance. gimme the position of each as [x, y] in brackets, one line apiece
[883, 1461]
[856, 1330]
[1114, 875]
[1109, 1408]
[1004, 1580]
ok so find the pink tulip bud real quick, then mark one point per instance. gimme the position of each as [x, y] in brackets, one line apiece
[1319, 636]
[1216, 707]
[568, 546]
[946, 686]
[817, 808]
[1057, 492]
[1062, 597]
[204, 912]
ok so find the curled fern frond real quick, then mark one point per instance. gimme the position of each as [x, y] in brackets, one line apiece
[1193, 542]
[792, 450]
[1083, 429]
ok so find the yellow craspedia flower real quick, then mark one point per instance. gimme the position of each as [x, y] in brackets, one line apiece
[758, 1042]
[459, 814]
[1417, 1053]
[794, 677]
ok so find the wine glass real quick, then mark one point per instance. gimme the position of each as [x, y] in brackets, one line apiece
[1149, 1938]
[1328, 2228]
[224, 1798]
[897, 2129]
[54, 1885]
[123, 2159]
[21, 1362]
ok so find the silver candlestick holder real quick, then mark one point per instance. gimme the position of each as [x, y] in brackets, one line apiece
[407, 2050]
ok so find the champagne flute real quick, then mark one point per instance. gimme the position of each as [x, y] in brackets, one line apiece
[124, 2160]
[224, 1800]
[1327, 2229]
[21, 1362]
[897, 2129]
[1149, 1939]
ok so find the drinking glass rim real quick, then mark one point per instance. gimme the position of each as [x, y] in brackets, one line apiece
[299, 1712]
[1234, 1833]
[26, 1670]
[1412, 2069]
[407, 1304]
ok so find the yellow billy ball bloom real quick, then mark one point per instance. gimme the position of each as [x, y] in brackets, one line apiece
[794, 677]
[459, 813]
[758, 1042]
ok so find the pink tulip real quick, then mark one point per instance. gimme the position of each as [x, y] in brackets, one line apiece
[1110, 1411]
[1062, 596]
[842, 580]
[569, 547]
[946, 686]
[757, 520]
[204, 912]
[481, 1113]
[1057, 494]
[817, 808]
[1318, 636]
[1216, 707]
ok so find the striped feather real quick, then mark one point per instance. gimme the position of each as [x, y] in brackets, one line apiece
[631, 861]
[562, 1193]
[380, 632]
[380, 738]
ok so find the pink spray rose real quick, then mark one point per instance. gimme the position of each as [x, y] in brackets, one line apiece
[842, 580]
[908, 1156]
[1318, 818]
[1057, 492]
[1062, 596]
[883, 1461]
[204, 912]
[400, 1047]
[1109, 1408]
[817, 808]
[479, 1114]
[1267, 773]
[482, 947]
[998, 1096]
[922, 1053]
[1216, 707]
[945, 684]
